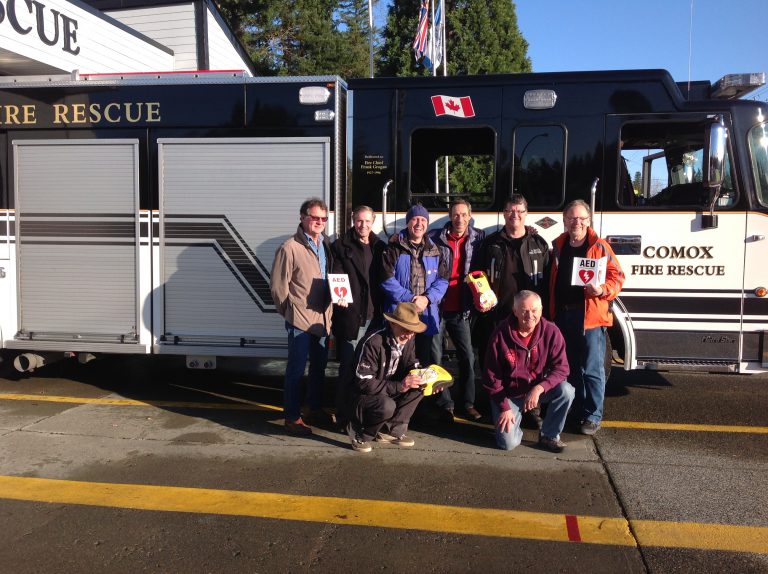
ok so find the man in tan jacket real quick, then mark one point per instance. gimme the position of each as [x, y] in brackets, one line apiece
[299, 287]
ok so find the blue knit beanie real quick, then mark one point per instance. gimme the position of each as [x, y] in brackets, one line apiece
[417, 210]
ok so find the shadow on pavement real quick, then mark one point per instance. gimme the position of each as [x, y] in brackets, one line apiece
[248, 392]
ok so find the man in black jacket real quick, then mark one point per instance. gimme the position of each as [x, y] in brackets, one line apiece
[353, 254]
[514, 258]
[384, 395]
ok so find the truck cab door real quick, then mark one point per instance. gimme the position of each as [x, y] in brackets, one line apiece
[683, 288]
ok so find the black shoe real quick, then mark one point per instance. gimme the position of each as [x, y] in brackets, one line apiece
[341, 425]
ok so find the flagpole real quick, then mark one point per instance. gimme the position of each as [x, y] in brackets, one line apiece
[443, 18]
[433, 57]
[444, 36]
[370, 34]
[432, 40]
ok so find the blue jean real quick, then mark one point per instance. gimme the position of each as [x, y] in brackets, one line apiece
[586, 355]
[459, 330]
[303, 346]
[559, 399]
[425, 353]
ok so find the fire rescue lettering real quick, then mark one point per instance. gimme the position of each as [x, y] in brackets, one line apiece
[16, 14]
[678, 252]
[88, 114]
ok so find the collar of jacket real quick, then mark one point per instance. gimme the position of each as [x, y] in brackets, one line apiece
[301, 237]
[592, 238]
[442, 234]
[351, 238]
[529, 232]
[430, 249]
[535, 336]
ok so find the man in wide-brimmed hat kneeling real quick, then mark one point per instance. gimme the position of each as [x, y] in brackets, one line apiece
[384, 394]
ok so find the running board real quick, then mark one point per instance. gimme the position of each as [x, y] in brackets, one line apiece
[688, 365]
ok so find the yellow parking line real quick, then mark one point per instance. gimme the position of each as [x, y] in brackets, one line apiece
[697, 536]
[389, 514]
[243, 406]
[683, 427]
[350, 511]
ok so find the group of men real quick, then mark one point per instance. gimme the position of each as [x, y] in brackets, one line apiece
[408, 292]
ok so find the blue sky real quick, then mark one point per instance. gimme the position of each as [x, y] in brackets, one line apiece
[729, 36]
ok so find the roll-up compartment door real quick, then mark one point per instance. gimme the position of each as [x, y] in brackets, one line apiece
[226, 206]
[77, 239]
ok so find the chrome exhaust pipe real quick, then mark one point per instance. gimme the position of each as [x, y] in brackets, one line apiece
[28, 362]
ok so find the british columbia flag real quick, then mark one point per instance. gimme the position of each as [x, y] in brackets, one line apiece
[420, 41]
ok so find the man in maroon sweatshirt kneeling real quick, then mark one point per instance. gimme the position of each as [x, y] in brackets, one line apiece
[525, 365]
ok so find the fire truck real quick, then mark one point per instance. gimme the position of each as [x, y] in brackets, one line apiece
[141, 213]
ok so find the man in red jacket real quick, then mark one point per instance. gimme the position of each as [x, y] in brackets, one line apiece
[525, 365]
[583, 314]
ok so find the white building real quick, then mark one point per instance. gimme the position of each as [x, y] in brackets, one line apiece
[115, 36]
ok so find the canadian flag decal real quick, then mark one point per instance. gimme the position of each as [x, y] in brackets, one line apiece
[449, 105]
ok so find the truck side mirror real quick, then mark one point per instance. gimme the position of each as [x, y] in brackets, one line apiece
[715, 156]
[714, 170]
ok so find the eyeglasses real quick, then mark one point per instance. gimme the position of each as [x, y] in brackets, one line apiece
[317, 218]
[515, 211]
[575, 219]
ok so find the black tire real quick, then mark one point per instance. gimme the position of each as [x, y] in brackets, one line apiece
[608, 360]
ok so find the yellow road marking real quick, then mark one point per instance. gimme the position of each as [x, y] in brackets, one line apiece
[637, 425]
[243, 406]
[349, 511]
[683, 427]
[255, 406]
[726, 537]
[389, 514]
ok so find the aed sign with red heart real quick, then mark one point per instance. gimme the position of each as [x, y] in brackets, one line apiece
[586, 275]
[341, 292]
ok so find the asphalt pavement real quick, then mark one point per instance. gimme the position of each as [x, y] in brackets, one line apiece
[128, 464]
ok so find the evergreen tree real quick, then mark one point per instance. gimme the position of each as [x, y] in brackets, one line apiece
[304, 37]
[637, 182]
[355, 39]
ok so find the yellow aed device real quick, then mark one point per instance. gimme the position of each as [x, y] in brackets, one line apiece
[433, 379]
[482, 294]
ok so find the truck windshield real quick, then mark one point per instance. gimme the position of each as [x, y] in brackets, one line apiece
[758, 147]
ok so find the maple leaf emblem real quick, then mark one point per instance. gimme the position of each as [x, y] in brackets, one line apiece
[451, 105]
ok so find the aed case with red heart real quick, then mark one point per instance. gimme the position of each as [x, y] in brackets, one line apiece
[339, 285]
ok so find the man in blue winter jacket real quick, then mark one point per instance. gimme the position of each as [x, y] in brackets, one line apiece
[414, 271]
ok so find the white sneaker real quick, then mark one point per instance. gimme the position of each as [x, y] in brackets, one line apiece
[402, 440]
[361, 445]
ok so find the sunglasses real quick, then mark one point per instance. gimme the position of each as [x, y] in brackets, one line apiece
[317, 218]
